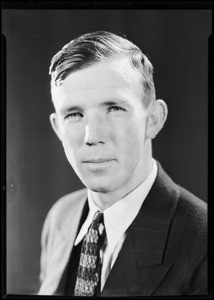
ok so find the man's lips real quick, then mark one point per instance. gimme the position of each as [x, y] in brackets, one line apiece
[97, 161]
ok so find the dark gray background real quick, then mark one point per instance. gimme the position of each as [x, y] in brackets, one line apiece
[37, 171]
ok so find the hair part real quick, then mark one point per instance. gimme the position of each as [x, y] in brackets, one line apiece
[100, 46]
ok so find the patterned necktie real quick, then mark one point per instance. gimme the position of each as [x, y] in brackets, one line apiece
[89, 270]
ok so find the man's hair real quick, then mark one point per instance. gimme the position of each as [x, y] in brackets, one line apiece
[100, 46]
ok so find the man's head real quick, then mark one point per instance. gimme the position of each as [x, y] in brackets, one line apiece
[106, 112]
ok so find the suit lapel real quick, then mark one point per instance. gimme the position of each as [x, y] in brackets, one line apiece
[62, 247]
[140, 266]
[61, 286]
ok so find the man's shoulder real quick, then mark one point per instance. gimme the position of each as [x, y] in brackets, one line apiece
[189, 208]
[195, 208]
[192, 200]
[188, 200]
[67, 205]
[70, 200]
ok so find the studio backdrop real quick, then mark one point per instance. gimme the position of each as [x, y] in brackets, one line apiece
[176, 41]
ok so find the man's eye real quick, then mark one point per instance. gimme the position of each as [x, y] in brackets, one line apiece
[73, 116]
[115, 108]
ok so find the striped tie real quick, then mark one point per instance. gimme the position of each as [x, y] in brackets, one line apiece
[89, 270]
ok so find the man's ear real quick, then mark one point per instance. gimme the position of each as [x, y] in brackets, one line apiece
[157, 115]
[55, 124]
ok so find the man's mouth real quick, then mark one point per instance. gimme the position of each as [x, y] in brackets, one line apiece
[98, 161]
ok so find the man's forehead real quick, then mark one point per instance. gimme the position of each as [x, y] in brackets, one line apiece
[99, 82]
[112, 72]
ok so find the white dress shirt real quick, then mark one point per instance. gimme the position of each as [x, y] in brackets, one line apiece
[117, 219]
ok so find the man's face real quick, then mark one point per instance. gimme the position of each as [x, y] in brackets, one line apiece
[101, 122]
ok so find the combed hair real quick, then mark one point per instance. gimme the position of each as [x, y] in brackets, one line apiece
[99, 46]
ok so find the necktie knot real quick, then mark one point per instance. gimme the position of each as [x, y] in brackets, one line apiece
[97, 220]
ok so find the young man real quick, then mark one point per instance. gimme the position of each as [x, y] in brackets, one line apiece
[132, 231]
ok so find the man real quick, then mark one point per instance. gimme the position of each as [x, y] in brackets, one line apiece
[132, 231]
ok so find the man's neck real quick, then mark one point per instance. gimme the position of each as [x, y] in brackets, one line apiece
[105, 200]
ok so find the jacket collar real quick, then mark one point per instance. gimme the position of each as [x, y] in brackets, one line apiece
[149, 230]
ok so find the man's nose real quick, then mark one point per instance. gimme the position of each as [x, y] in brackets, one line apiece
[94, 132]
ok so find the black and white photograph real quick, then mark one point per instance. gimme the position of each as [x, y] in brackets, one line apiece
[107, 151]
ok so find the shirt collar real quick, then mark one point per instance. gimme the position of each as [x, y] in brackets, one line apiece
[119, 216]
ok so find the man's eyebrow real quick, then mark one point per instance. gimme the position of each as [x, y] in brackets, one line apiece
[114, 102]
[70, 108]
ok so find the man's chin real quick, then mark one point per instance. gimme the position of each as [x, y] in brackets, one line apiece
[98, 187]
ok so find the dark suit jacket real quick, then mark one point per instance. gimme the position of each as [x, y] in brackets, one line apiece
[164, 253]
